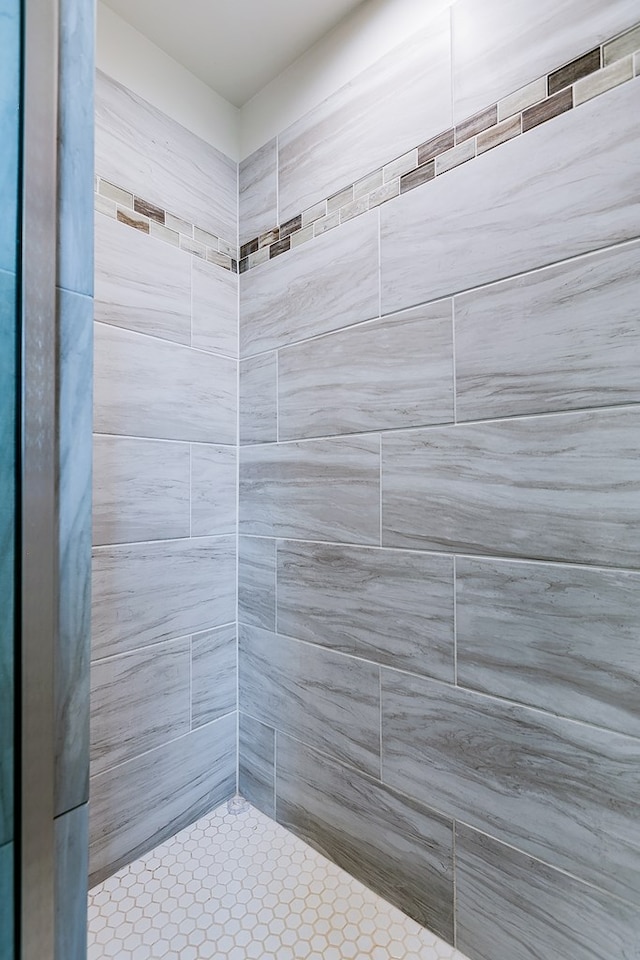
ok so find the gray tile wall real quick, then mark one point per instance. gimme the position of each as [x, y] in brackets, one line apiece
[164, 649]
[439, 511]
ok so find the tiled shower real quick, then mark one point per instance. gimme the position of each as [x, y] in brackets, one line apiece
[367, 487]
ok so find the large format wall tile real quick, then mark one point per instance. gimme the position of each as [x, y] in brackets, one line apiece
[214, 308]
[259, 399]
[140, 148]
[214, 474]
[150, 388]
[330, 282]
[258, 192]
[562, 791]
[256, 764]
[142, 283]
[403, 99]
[564, 639]
[214, 675]
[141, 490]
[329, 701]
[558, 339]
[136, 806]
[511, 907]
[393, 372]
[389, 606]
[257, 582]
[499, 46]
[139, 701]
[144, 593]
[317, 489]
[564, 188]
[391, 843]
[559, 488]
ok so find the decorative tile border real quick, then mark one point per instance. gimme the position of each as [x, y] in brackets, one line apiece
[612, 63]
[593, 73]
[121, 205]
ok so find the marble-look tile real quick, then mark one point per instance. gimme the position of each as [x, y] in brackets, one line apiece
[382, 113]
[512, 907]
[256, 770]
[562, 791]
[10, 72]
[141, 490]
[150, 388]
[390, 373]
[7, 907]
[142, 149]
[214, 308]
[259, 399]
[139, 701]
[147, 592]
[391, 843]
[390, 606]
[72, 862]
[550, 488]
[327, 700]
[257, 582]
[561, 338]
[542, 197]
[564, 639]
[214, 674]
[76, 81]
[214, 478]
[315, 489]
[141, 284]
[499, 46]
[258, 191]
[330, 283]
[136, 806]
[74, 451]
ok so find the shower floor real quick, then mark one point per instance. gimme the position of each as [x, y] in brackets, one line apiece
[237, 886]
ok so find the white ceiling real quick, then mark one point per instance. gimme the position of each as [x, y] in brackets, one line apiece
[235, 46]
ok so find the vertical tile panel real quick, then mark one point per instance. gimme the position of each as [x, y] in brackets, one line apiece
[257, 764]
[213, 674]
[259, 399]
[72, 855]
[213, 490]
[258, 188]
[214, 305]
[257, 582]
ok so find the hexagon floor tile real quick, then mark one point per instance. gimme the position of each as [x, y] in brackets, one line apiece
[237, 886]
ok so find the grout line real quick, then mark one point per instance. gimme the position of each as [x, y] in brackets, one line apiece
[191, 683]
[381, 499]
[154, 336]
[454, 360]
[157, 643]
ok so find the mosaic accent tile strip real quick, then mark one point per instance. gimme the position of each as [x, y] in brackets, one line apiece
[614, 62]
[236, 886]
[119, 204]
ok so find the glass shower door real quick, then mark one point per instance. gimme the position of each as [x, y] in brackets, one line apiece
[10, 66]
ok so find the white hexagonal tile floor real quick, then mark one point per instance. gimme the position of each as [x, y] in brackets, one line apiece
[237, 886]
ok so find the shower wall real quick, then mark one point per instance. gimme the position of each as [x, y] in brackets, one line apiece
[163, 673]
[439, 484]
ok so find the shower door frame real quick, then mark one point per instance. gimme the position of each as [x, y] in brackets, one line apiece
[38, 590]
